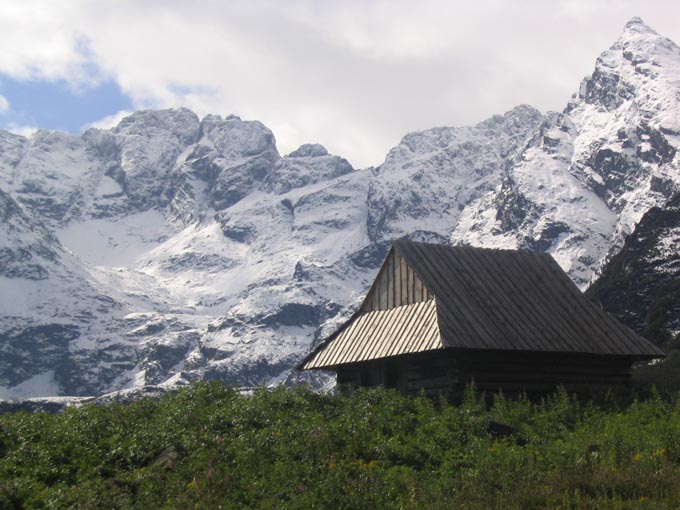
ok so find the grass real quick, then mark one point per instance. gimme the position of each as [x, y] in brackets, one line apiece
[207, 446]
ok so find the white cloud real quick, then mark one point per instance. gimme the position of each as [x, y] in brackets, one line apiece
[4, 104]
[109, 121]
[354, 75]
[43, 40]
[26, 131]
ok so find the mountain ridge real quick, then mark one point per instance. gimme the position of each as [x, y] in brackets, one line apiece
[188, 248]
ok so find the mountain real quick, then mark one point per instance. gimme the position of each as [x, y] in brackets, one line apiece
[590, 173]
[641, 283]
[172, 248]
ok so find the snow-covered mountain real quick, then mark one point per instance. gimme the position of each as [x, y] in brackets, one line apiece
[588, 174]
[172, 248]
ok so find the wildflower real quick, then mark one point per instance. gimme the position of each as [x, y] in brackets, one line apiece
[661, 452]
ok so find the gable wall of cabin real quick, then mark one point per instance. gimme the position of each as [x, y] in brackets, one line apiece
[396, 285]
[449, 372]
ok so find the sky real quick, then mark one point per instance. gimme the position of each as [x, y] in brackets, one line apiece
[353, 75]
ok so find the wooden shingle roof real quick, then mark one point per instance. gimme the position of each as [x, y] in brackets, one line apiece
[382, 333]
[488, 299]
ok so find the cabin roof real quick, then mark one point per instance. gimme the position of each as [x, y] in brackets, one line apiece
[503, 300]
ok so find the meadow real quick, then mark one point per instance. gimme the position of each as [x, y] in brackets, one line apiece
[209, 447]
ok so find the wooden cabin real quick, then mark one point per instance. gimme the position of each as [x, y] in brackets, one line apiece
[439, 317]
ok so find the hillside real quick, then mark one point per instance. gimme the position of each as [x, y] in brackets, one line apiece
[209, 447]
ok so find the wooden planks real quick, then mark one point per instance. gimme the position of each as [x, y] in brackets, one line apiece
[516, 301]
[396, 285]
[448, 371]
[381, 334]
[479, 299]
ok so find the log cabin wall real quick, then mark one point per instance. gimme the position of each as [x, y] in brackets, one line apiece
[410, 374]
[540, 374]
[448, 373]
[396, 285]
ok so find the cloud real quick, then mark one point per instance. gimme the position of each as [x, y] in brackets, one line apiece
[109, 121]
[45, 41]
[26, 131]
[354, 75]
[4, 104]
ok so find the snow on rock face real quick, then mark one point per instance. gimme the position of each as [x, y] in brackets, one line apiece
[228, 162]
[26, 248]
[431, 176]
[170, 249]
[587, 177]
[149, 299]
[48, 303]
[629, 133]
[149, 143]
[639, 62]
[246, 152]
[11, 150]
[309, 164]
[51, 173]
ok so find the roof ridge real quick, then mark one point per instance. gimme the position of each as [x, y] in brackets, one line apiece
[396, 242]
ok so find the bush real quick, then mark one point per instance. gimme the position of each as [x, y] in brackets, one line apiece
[209, 447]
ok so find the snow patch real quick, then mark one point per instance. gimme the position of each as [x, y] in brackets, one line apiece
[39, 385]
[116, 242]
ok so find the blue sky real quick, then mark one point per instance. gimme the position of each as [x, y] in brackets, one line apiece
[57, 104]
[355, 76]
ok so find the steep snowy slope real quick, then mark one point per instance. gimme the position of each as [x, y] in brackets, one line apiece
[173, 248]
[431, 176]
[591, 172]
[48, 303]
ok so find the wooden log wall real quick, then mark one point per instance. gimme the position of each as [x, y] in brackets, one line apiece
[431, 375]
[396, 285]
[449, 372]
[537, 374]
[349, 376]
[410, 374]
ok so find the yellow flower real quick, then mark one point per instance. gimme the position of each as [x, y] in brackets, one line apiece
[637, 457]
[661, 452]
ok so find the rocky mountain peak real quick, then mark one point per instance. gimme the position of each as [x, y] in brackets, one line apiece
[632, 68]
[233, 139]
[637, 27]
[641, 44]
[181, 123]
[519, 114]
[307, 165]
[309, 150]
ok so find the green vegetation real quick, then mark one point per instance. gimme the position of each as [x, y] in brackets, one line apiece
[208, 447]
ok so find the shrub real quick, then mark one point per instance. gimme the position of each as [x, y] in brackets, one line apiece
[207, 446]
